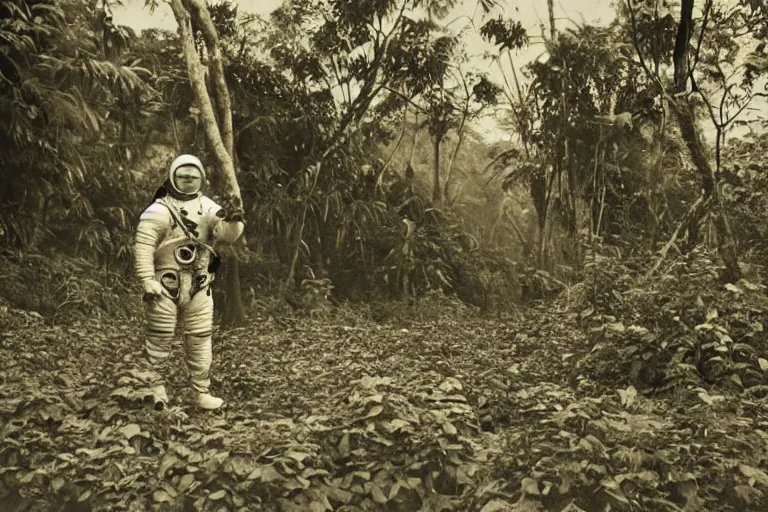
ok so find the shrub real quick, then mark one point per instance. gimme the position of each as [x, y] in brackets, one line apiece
[62, 288]
[682, 327]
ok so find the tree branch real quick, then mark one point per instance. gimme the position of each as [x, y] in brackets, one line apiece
[636, 43]
[406, 98]
[217, 71]
[495, 160]
[464, 115]
[397, 145]
[673, 238]
[707, 8]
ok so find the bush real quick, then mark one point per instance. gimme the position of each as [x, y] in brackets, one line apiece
[745, 194]
[63, 289]
[621, 451]
[682, 327]
[486, 279]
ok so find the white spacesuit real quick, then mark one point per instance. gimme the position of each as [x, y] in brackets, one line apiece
[175, 264]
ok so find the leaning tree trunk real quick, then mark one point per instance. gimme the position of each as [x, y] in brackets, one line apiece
[449, 169]
[218, 133]
[726, 245]
[436, 190]
[234, 313]
[686, 116]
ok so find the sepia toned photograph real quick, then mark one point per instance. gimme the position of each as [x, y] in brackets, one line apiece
[383, 255]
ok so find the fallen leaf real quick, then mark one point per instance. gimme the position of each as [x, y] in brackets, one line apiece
[375, 411]
[297, 456]
[748, 494]
[627, 395]
[57, 484]
[217, 495]
[266, 474]
[344, 445]
[393, 491]
[169, 461]
[753, 473]
[530, 487]
[498, 505]
[130, 430]
[378, 495]
[123, 392]
[450, 384]
[185, 482]
[339, 495]
[161, 496]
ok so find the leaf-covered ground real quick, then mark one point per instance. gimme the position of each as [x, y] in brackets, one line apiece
[455, 413]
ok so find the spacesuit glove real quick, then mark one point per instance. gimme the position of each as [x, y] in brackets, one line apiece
[231, 209]
[153, 289]
[237, 215]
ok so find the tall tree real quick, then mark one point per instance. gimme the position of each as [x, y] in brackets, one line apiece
[699, 75]
[213, 102]
[366, 57]
[216, 117]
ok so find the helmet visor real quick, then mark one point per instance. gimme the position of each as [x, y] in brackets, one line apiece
[187, 179]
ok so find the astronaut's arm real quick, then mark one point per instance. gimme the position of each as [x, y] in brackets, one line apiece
[153, 224]
[228, 220]
[228, 231]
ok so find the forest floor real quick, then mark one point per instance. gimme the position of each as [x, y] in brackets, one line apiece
[457, 412]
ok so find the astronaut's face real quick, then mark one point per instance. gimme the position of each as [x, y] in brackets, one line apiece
[187, 179]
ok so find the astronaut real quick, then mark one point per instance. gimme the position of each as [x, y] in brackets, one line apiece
[176, 266]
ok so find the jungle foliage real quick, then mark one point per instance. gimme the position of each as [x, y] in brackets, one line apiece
[618, 235]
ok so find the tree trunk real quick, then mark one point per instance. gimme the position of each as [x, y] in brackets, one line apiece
[196, 75]
[682, 43]
[219, 134]
[449, 170]
[290, 280]
[686, 116]
[414, 140]
[234, 313]
[436, 190]
[538, 190]
[217, 73]
[551, 8]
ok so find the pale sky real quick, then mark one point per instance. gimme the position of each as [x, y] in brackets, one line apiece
[137, 17]
[528, 12]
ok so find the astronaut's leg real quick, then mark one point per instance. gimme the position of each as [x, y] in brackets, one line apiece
[161, 324]
[198, 326]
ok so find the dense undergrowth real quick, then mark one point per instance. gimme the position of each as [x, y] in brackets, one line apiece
[682, 326]
[610, 397]
[568, 378]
